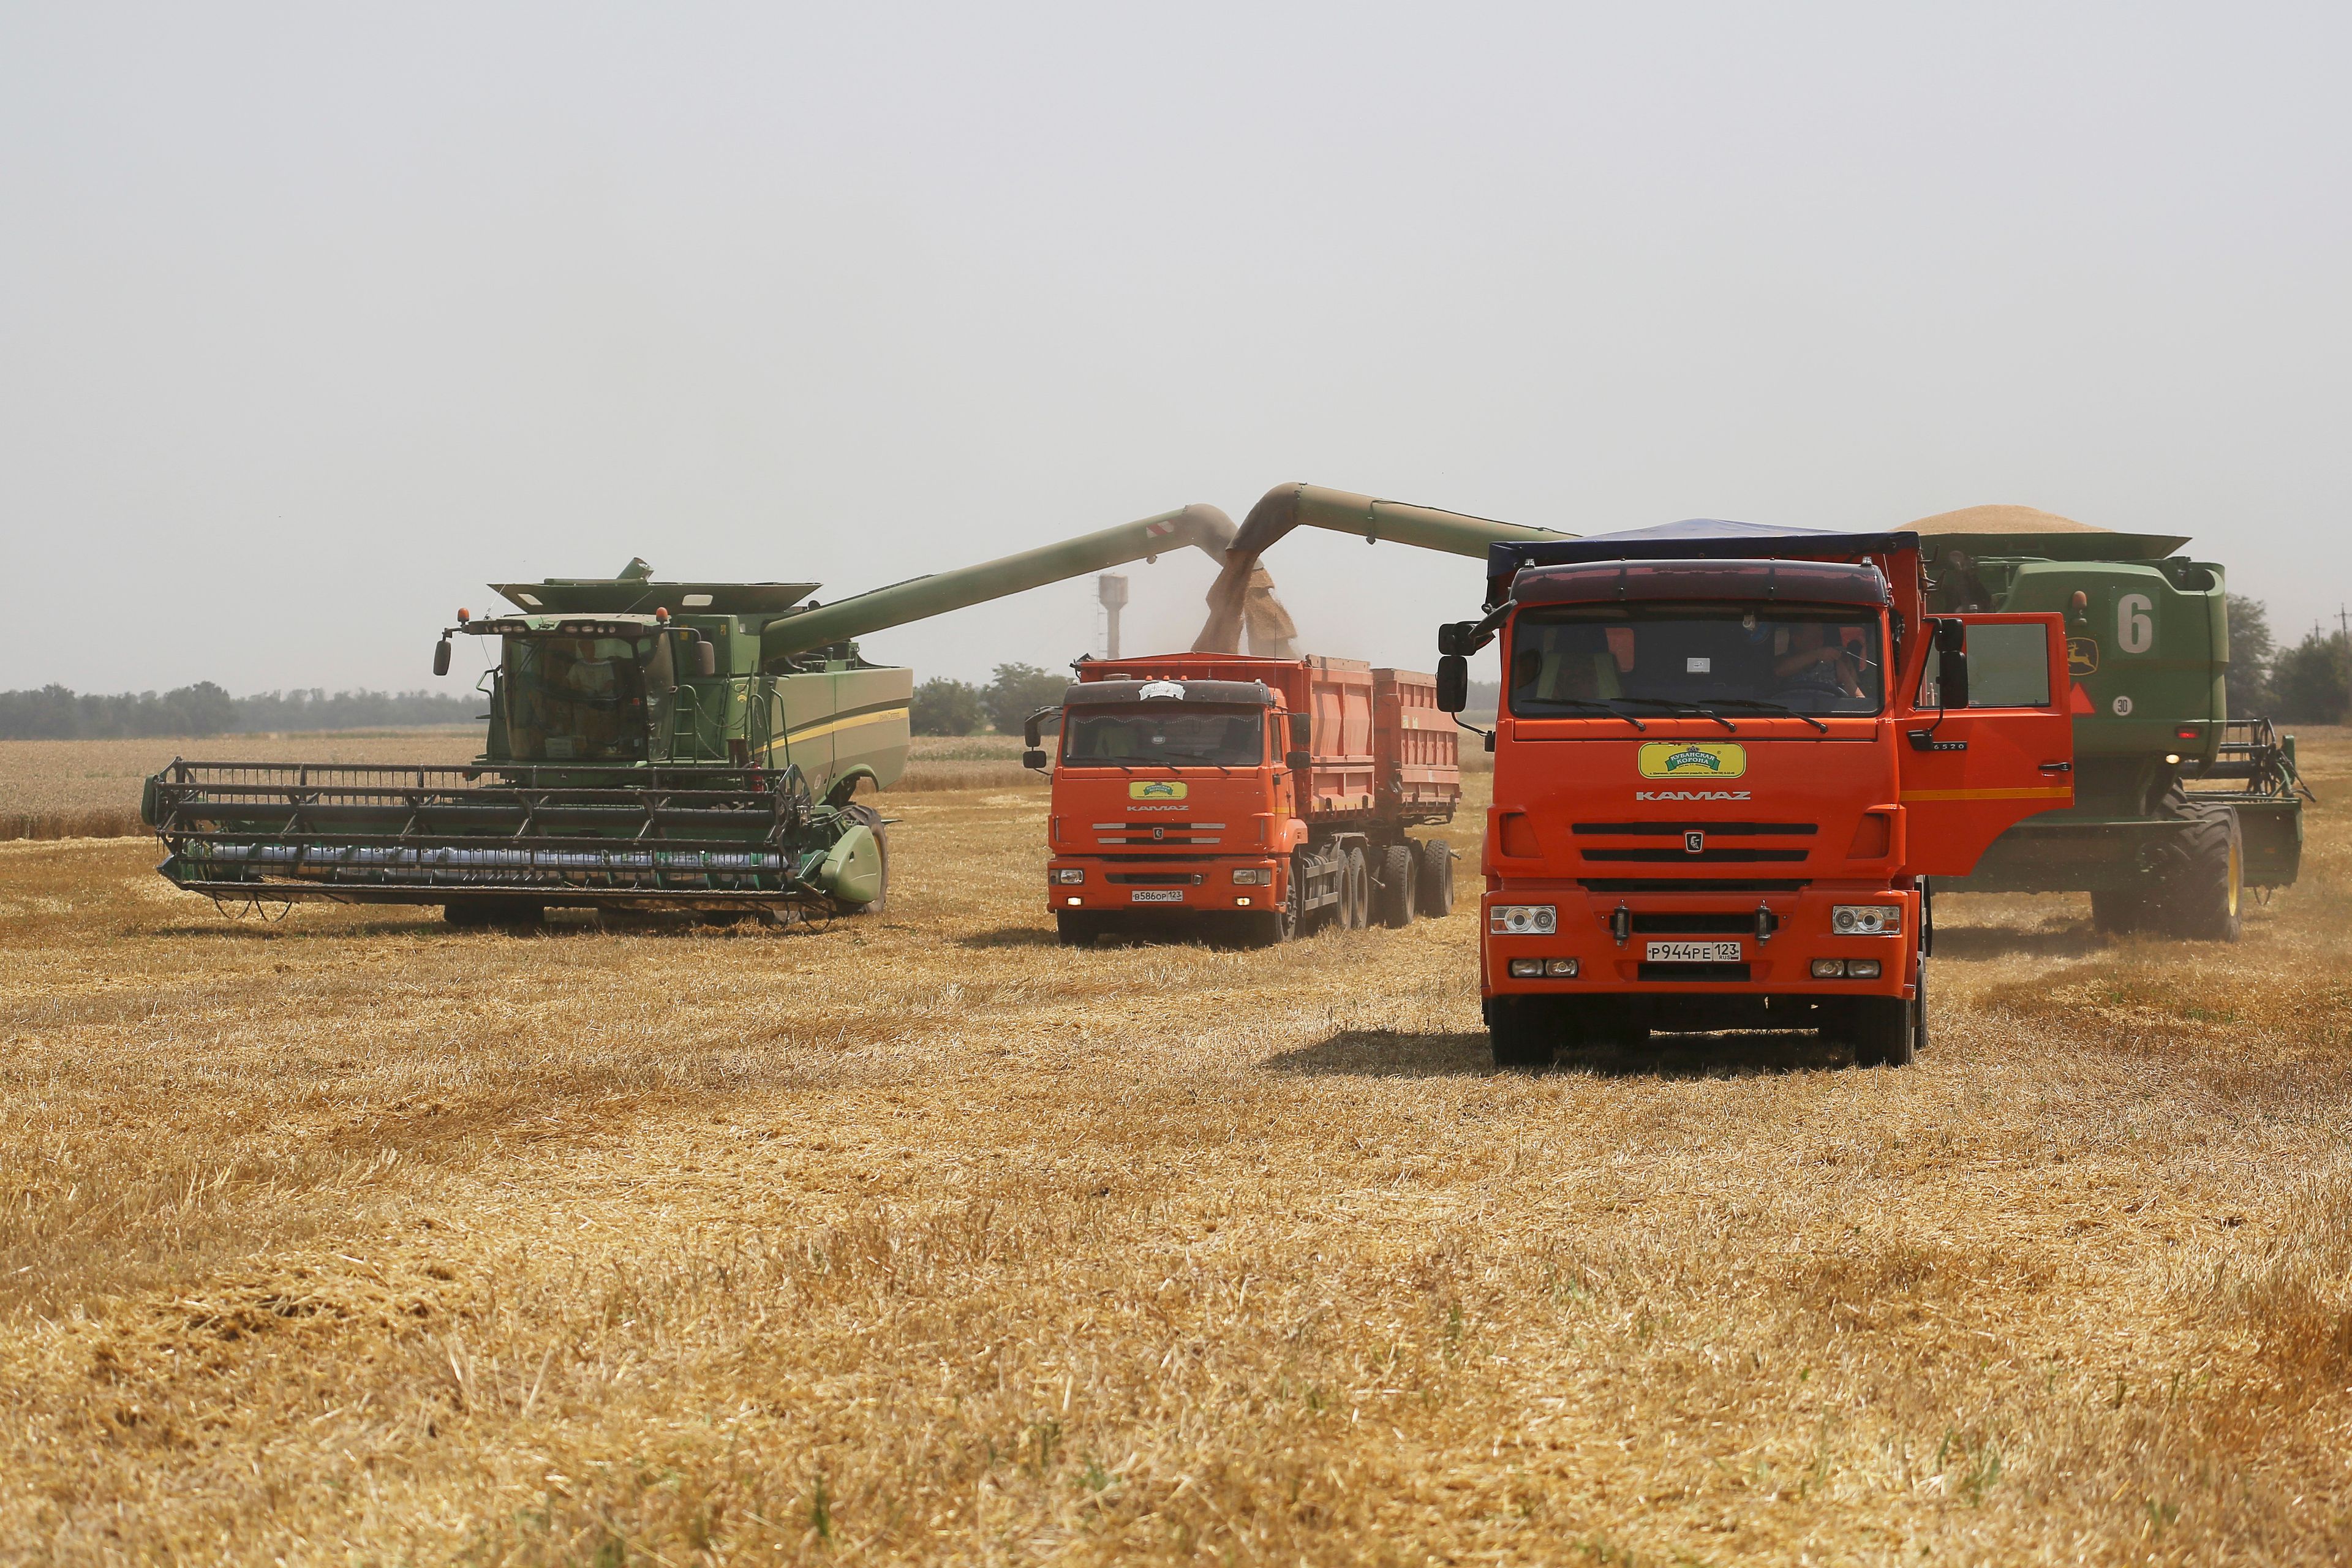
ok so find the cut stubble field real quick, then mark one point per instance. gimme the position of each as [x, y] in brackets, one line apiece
[354, 1239]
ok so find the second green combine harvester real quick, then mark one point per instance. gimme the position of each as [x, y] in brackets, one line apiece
[651, 745]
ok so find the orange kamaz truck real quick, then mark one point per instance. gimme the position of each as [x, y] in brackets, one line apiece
[1245, 797]
[1728, 761]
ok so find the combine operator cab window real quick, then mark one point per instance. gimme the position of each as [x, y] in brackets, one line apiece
[1644, 658]
[1171, 738]
[574, 700]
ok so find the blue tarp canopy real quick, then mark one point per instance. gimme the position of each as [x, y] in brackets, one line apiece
[1695, 538]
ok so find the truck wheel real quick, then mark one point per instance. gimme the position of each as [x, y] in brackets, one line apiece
[1919, 1015]
[1523, 1032]
[1271, 927]
[1881, 1028]
[1077, 929]
[859, 812]
[1436, 894]
[2202, 874]
[1354, 889]
[1396, 886]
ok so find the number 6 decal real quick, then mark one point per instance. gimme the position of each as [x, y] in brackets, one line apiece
[2135, 631]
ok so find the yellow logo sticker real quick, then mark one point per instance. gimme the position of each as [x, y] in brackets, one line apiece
[1693, 760]
[1156, 789]
[2081, 656]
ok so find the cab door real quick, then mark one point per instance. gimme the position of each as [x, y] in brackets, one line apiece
[1970, 774]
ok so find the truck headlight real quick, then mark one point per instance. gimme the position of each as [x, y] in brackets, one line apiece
[1069, 873]
[1523, 919]
[1254, 876]
[1865, 920]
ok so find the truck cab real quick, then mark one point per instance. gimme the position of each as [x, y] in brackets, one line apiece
[1728, 761]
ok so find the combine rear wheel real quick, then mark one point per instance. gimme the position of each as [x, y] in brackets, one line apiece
[1396, 886]
[1436, 896]
[2202, 873]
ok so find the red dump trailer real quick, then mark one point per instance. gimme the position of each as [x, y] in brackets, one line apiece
[1264, 794]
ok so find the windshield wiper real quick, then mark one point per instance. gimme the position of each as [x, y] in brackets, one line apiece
[1683, 707]
[1759, 706]
[1580, 702]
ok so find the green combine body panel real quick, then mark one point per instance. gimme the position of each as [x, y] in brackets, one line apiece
[650, 746]
[2163, 773]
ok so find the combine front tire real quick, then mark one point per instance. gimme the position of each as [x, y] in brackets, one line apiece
[1396, 886]
[2118, 911]
[1437, 898]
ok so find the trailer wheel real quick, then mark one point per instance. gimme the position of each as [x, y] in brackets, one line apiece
[2201, 873]
[1077, 929]
[1396, 886]
[859, 812]
[1882, 1031]
[1436, 896]
[1523, 1032]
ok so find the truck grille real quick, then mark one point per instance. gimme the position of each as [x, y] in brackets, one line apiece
[1155, 878]
[1661, 922]
[1692, 884]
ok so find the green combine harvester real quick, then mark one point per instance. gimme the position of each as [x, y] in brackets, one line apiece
[2179, 807]
[652, 746]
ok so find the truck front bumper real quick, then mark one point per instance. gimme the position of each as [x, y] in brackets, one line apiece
[1145, 885]
[1697, 943]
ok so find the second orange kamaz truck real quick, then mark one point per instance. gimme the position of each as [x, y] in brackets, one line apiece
[1727, 760]
[1246, 796]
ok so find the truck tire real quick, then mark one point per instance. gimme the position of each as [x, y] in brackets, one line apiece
[1881, 1030]
[1523, 1032]
[2201, 875]
[1919, 1017]
[1435, 897]
[1354, 889]
[1077, 928]
[1271, 927]
[860, 813]
[1396, 886]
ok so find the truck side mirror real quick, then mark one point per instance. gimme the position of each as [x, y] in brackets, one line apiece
[441, 657]
[706, 658]
[1302, 732]
[1298, 762]
[1454, 637]
[1951, 662]
[1453, 683]
[1034, 759]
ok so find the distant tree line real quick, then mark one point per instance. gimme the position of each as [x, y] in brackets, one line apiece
[944, 707]
[58, 713]
[2309, 683]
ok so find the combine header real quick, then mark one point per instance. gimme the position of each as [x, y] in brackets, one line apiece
[689, 746]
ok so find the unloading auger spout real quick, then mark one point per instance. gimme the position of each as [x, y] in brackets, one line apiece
[1287, 506]
[1204, 527]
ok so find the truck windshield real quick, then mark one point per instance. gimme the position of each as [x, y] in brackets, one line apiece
[1647, 658]
[1165, 736]
[574, 699]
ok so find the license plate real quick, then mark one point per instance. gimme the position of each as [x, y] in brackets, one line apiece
[1157, 895]
[1693, 953]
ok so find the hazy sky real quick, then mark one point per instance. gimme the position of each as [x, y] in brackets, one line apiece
[314, 319]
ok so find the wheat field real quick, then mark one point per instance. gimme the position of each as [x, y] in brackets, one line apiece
[917, 1238]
